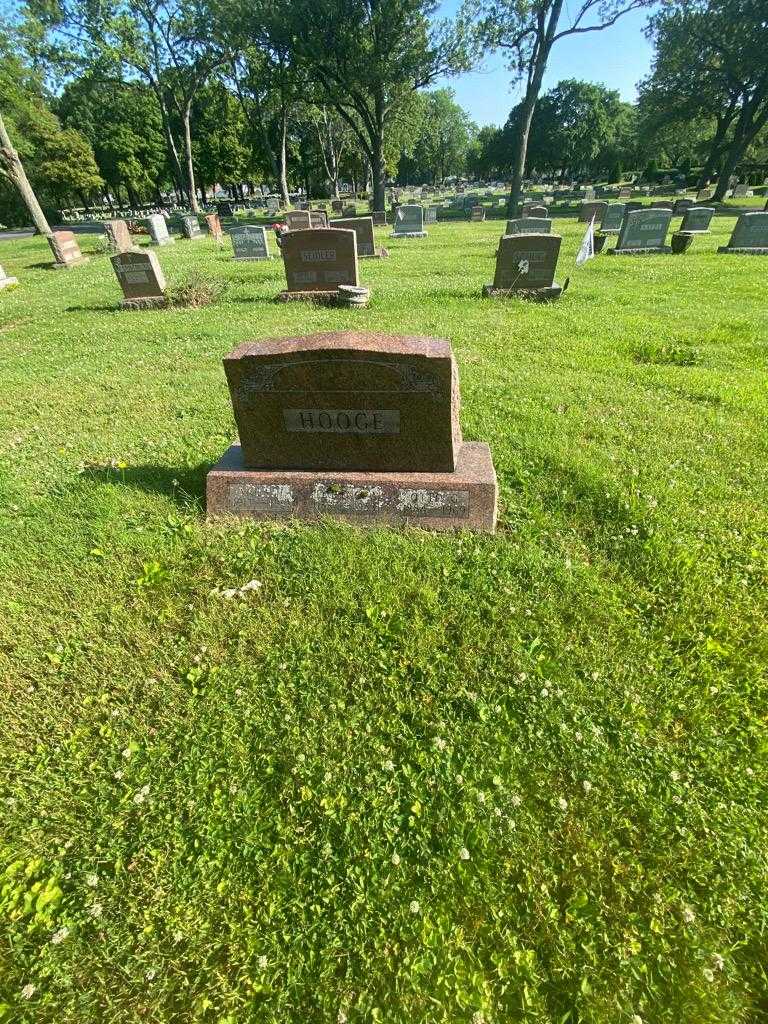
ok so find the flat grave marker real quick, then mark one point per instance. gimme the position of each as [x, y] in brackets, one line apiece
[5, 281]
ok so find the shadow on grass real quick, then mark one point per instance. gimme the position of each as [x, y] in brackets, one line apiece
[184, 484]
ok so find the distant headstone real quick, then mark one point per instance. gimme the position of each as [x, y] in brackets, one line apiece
[430, 215]
[158, 230]
[409, 222]
[359, 426]
[644, 231]
[590, 210]
[118, 236]
[249, 242]
[337, 206]
[5, 281]
[703, 193]
[681, 205]
[273, 206]
[625, 193]
[318, 218]
[190, 227]
[477, 213]
[634, 204]
[65, 249]
[141, 279]
[298, 220]
[613, 215]
[740, 191]
[662, 205]
[526, 264]
[379, 218]
[537, 211]
[349, 211]
[214, 227]
[225, 209]
[697, 219]
[318, 260]
[363, 228]
[529, 226]
[750, 236]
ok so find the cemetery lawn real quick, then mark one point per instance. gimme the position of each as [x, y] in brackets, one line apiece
[407, 778]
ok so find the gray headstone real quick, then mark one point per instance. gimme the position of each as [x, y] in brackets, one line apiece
[320, 259]
[409, 220]
[298, 220]
[613, 215]
[529, 226]
[190, 227]
[249, 242]
[5, 281]
[750, 233]
[140, 278]
[158, 229]
[644, 230]
[273, 206]
[363, 228]
[697, 218]
[430, 215]
[526, 262]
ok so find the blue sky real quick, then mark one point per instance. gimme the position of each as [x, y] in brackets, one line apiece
[618, 57]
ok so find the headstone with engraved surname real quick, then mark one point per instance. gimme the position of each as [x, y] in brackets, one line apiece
[118, 236]
[141, 279]
[696, 219]
[379, 218]
[318, 218]
[750, 236]
[249, 242]
[298, 220]
[591, 209]
[65, 249]
[613, 215]
[644, 231]
[430, 215]
[354, 425]
[214, 227]
[477, 213]
[409, 222]
[5, 281]
[363, 228]
[318, 260]
[529, 226]
[526, 264]
[158, 230]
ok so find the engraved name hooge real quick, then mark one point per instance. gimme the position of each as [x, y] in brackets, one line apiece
[342, 421]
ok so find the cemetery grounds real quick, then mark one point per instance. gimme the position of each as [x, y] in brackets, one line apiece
[400, 777]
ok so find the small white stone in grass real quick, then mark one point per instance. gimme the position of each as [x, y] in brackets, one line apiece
[415, 907]
[562, 803]
[464, 853]
[688, 915]
[60, 935]
[395, 859]
[28, 991]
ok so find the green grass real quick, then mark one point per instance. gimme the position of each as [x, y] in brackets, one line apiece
[255, 809]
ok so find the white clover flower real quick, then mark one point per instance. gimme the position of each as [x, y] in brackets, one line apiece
[674, 775]
[496, 780]
[688, 915]
[150, 974]
[544, 691]
[60, 935]
[262, 962]
[141, 796]
[127, 753]
[497, 811]
[562, 803]
[718, 961]
[460, 779]
[395, 859]
[95, 910]
[415, 907]
[28, 991]
[464, 853]
[178, 936]
[637, 1019]
[92, 880]
[586, 786]
[480, 796]
[478, 1017]
[439, 743]
[118, 775]
[709, 974]
[516, 800]
[577, 736]
[341, 1017]
[389, 766]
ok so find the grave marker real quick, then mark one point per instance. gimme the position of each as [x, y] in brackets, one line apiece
[318, 218]
[158, 230]
[529, 226]
[190, 227]
[525, 264]
[750, 236]
[644, 231]
[537, 211]
[681, 205]
[7, 282]
[590, 210]
[430, 215]
[225, 209]
[359, 426]
[363, 228]
[298, 220]
[696, 219]
[249, 243]
[141, 279]
[477, 214]
[65, 249]
[273, 206]
[409, 222]
[613, 215]
[214, 227]
[318, 261]
[379, 218]
[118, 236]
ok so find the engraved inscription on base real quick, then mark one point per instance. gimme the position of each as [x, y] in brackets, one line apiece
[353, 498]
[423, 501]
[342, 421]
[261, 498]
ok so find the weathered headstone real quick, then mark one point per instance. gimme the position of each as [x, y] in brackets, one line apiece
[360, 426]
[644, 231]
[225, 209]
[625, 193]
[681, 205]
[662, 205]
[5, 281]
[65, 249]
[430, 215]
[273, 206]
[363, 228]
[696, 219]
[537, 211]
[141, 279]
[590, 210]
[526, 264]
[214, 227]
[249, 242]
[409, 222]
[379, 218]
[529, 226]
[337, 205]
[298, 220]
[613, 215]
[741, 191]
[750, 236]
[190, 227]
[318, 218]
[317, 261]
[703, 193]
[158, 230]
[477, 213]
[118, 236]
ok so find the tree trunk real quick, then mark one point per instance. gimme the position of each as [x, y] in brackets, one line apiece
[378, 170]
[202, 193]
[173, 153]
[518, 167]
[13, 168]
[191, 187]
[282, 159]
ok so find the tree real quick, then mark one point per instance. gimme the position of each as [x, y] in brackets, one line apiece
[368, 56]
[528, 30]
[711, 61]
[445, 135]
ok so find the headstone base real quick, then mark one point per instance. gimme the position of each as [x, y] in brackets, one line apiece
[408, 234]
[380, 254]
[639, 252]
[72, 263]
[352, 297]
[163, 241]
[148, 302]
[251, 259]
[462, 500]
[742, 250]
[531, 294]
[8, 282]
